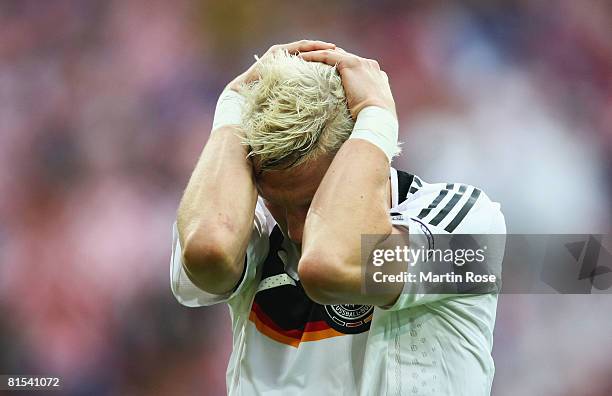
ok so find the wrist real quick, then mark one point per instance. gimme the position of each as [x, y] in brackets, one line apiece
[378, 126]
[229, 108]
[390, 107]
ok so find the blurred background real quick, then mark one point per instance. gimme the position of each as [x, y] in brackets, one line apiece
[105, 106]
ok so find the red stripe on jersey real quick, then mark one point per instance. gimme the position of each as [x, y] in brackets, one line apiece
[313, 331]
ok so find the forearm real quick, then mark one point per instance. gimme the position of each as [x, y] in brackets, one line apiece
[215, 216]
[352, 200]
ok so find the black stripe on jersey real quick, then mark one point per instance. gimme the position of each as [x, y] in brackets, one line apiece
[464, 211]
[449, 206]
[404, 180]
[450, 186]
[418, 181]
[433, 205]
[413, 190]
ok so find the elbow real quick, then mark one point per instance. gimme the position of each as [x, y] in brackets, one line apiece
[322, 279]
[199, 253]
[209, 264]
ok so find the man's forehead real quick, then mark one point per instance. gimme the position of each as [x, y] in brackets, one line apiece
[309, 170]
[295, 178]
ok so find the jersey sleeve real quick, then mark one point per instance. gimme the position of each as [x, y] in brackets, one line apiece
[190, 295]
[437, 210]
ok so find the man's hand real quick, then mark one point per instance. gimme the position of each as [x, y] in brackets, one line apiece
[365, 84]
[296, 47]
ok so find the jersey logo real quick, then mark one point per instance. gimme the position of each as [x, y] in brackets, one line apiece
[349, 318]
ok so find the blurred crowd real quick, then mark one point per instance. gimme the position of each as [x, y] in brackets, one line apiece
[105, 106]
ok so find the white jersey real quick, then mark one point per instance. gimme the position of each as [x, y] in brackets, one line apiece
[425, 344]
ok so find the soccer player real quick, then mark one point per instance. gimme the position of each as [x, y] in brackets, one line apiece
[296, 170]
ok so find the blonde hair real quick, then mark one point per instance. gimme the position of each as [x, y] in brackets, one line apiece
[296, 111]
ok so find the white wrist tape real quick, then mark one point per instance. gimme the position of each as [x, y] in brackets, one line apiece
[229, 109]
[379, 127]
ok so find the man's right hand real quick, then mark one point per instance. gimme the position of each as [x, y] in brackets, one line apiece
[296, 47]
[365, 84]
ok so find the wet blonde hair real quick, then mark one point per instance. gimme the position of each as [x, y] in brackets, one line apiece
[295, 112]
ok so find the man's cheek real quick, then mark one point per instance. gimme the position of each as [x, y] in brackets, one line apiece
[278, 215]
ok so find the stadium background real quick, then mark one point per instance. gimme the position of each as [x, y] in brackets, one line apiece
[105, 105]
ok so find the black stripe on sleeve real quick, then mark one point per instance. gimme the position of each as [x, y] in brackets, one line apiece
[433, 205]
[450, 186]
[464, 211]
[462, 189]
[413, 190]
[449, 206]
[418, 181]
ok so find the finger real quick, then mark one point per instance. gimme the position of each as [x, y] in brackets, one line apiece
[306, 46]
[329, 57]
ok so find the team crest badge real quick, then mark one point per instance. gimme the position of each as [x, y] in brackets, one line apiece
[349, 318]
